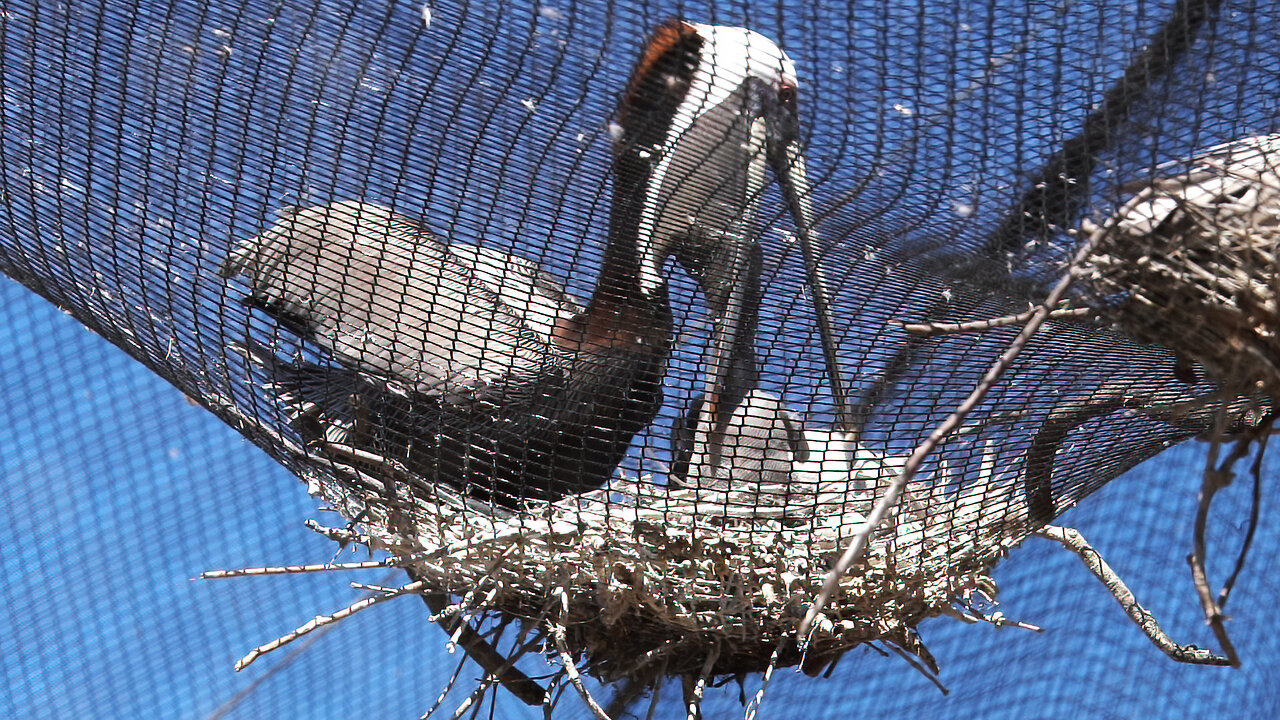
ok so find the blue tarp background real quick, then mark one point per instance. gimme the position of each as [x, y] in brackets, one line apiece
[140, 140]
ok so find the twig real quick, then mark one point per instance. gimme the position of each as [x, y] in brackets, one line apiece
[657, 691]
[555, 691]
[483, 653]
[252, 687]
[932, 329]
[448, 687]
[396, 561]
[342, 536]
[694, 687]
[392, 468]
[1214, 479]
[476, 695]
[919, 667]
[323, 620]
[996, 619]
[1071, 539]
[758, 698]
[460, 632]
[571, 669]
[1256, 472]
[953, 421]
[370, 588]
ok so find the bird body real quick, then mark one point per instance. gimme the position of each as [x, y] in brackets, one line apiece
[1188, 262]
[460, 364]
[465, 367]
[1232, 173]
[766, 464]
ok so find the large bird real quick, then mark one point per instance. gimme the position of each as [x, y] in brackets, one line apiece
[471, 368]
[1188, 261]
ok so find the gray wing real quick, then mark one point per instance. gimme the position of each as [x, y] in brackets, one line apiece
[1243, 173]
[386, 297]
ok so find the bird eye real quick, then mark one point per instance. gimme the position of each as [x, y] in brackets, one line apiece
[787, 95]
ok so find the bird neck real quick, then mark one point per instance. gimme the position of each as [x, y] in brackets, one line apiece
[628, 251]
[624, 311]
[621, 314]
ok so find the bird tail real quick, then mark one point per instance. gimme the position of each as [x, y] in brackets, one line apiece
[317, 398]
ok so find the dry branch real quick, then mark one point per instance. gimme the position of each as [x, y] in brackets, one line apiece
[1072, 540]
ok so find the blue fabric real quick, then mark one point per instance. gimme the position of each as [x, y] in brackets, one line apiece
[141, 139]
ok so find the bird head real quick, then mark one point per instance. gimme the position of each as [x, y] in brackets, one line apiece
[709, 114]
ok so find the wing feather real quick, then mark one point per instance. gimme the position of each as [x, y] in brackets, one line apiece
[387, 297]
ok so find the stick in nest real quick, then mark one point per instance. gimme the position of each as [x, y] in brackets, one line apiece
[1214, 479]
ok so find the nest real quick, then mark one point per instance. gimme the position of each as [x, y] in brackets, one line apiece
[1190, 263]
[644, 582]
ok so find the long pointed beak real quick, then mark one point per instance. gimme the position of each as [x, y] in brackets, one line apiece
[787, 160]
[731, 370]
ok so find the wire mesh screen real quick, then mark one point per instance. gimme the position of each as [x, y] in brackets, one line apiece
[614, 330]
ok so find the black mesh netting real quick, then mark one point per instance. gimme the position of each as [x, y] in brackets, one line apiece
[486, 287]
